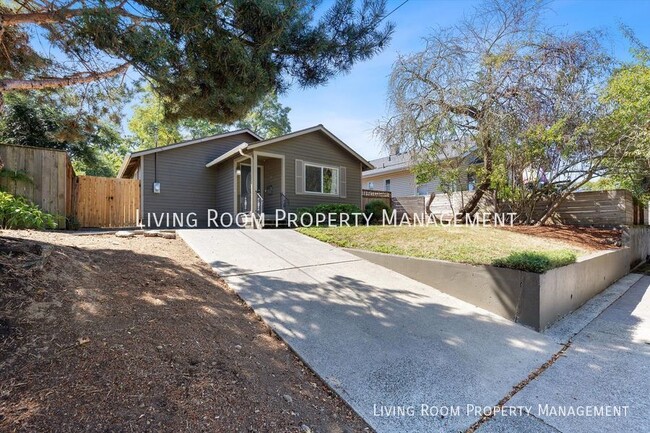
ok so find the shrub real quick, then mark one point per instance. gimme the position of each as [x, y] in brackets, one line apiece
[336, 208]
[536, 261]
[376, 209]
[20, 213]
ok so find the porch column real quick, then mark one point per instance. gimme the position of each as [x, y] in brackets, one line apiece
[254, 182]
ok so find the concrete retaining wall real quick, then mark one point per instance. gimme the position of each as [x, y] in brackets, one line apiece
[534, 300]
[564, 289]
[637, 238]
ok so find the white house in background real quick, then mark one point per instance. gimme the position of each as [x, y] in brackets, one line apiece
[393, 173]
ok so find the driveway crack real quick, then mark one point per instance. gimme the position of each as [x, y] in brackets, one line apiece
[521, 385]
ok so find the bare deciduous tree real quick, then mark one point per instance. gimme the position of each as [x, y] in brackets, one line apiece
[495, 84]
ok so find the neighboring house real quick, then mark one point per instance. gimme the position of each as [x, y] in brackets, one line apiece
[300, 169]
[393, 173]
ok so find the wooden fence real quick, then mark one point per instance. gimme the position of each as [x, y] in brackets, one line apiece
[607, 208]
[450, 204]
[44, 176]
[599, 208]
[106, 202]
[408, 205]
[368, 195]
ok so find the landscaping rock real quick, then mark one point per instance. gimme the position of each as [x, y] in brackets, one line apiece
[152, 233]
[124, 234]
[288, 398]
[138, 232]
[168, 235]
[305, 429]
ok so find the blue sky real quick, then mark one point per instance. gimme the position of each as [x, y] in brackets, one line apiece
[351, 105]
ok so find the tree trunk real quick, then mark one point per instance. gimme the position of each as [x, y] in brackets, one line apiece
[558, 202]
[551, 210]
[427, 204]
[470, 207]
[472, 204]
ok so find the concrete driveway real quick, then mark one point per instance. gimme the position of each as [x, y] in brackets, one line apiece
[406, 357]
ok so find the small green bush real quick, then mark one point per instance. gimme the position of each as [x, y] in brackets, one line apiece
[336, 208]
[536, 261]
[20, 213]
[376, 209]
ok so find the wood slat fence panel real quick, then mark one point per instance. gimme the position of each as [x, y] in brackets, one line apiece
[611, 207]
[368, 195]
[49, 177]
[408, 205]
[106, 202]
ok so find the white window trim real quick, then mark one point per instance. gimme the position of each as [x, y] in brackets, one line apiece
[321, 166]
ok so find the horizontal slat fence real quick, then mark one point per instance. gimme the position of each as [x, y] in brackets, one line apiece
[368, 195]
[606, 208]
[106, 202]
[408, 205]
[612, 207]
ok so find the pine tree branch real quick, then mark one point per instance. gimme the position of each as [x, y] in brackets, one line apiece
[58, 82]
[60, 15]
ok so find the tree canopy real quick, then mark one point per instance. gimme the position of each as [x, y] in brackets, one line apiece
[47, 120]
[206, 59]
[520, 97]
[627, 125]
[150, 129]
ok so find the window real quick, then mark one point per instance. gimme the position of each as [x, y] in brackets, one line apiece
[471, 181]
[387, 186]
[320, 179]
[371, 185]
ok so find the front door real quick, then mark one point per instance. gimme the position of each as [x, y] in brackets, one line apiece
[245, 193]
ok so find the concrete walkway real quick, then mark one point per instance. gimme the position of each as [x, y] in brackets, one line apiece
[406, 357]
[607, 364]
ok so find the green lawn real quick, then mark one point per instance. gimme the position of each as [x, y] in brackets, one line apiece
[473, 245]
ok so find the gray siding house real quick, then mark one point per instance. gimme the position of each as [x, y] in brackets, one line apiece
[393, 173]
[238, 172]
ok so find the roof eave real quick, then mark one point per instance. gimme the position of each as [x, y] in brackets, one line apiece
[321, 128]
[382, 171]
[232, 152]
[196, 141]
[125, 163]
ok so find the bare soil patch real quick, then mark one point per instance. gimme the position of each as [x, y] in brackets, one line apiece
[99, 333]
[588, 238]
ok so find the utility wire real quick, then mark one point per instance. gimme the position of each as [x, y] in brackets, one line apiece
[391, 12]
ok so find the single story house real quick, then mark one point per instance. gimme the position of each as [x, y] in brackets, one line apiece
[239, 172]
[393, 173]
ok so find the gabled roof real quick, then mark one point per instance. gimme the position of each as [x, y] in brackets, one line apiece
[128, 157]
[232, 152]
[390, 164]
[246, 146]
[405, 161]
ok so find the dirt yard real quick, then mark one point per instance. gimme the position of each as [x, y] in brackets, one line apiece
[137, 335]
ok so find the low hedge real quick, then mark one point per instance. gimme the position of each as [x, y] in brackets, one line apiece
[536, 261]
[376, 209]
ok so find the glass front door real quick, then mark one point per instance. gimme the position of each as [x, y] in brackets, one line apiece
[245, 182]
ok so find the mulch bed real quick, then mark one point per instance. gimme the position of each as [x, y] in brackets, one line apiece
[105, 334]
[589, 238]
